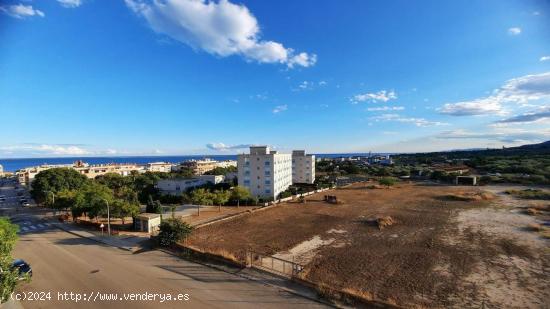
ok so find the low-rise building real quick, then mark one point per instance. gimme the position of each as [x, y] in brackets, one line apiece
[26, 175]
[226, 163]
[180, 185]
[147, 222]
[303, 167]
[1, 170]
[199, 167]
[92, 171]
[162, 167]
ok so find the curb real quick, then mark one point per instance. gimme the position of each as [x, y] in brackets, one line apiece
[95, 238]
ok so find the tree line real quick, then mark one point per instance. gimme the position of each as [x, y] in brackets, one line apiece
[67, 189]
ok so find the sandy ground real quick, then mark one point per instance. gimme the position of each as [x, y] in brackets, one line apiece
[440, 253]
[520, 277]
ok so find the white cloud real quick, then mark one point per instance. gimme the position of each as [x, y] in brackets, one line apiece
[385, 108]
[542, 114]
[305, 85]
[322, 83]
[380, 96]
[521, 90]
[509, 136]
[488, 105]
[45, 149]
[219, 28]
[514, 31]
[544, 58]
[21, 11]
[419, 122]
[224, 147]
[70, 3]
[280, 108]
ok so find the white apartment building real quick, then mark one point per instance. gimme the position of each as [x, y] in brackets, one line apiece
[265, 173]
[1, 170]
[303, 167]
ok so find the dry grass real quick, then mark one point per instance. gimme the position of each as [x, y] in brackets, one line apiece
[390, 263]
[359, 293]
[225, 254]
[539, 228]
[470, 196]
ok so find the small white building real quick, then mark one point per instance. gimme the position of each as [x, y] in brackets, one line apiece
[147, 222]
[303, 167]
[180, 185]
[265, 173]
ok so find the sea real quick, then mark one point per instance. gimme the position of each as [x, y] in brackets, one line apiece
[12, 165]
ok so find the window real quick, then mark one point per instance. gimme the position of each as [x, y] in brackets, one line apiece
[247, 173]
[247, 182]
[267, 163]
[267, 182]
[267, 191]
[267, 173]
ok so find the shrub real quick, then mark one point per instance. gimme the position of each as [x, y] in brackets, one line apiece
[173, 231]
[387, 181]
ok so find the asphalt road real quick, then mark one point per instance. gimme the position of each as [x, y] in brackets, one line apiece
[64, 263]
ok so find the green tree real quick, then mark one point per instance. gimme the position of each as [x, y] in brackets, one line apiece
[239, 193]
[92, 200]
[113, 181]
[123, 209]
[8, 276]
[65, 199]
[173, 231]
[222, 170]
[387, 181]
[201, 196]
[55, 180]
[220, 198]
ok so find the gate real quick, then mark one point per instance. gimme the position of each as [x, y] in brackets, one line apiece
[273, 264]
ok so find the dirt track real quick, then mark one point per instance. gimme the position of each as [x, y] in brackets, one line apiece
[428, 258]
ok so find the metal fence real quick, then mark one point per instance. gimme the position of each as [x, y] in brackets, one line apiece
[270, 263]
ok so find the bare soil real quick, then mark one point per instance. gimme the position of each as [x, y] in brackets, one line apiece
[440, 251]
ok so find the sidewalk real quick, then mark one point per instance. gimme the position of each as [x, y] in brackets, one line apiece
[129, 243]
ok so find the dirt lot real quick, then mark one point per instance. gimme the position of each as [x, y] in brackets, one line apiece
[447, 247]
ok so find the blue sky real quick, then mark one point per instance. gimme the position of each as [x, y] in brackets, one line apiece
[141, 77]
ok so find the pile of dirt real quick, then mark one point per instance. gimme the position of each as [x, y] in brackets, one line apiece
[470, 196]
[384, 221]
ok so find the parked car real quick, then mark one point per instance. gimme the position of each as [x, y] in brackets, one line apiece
[26, 204]
[23, 267]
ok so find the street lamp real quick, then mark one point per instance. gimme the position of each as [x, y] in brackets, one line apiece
[108, 218]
